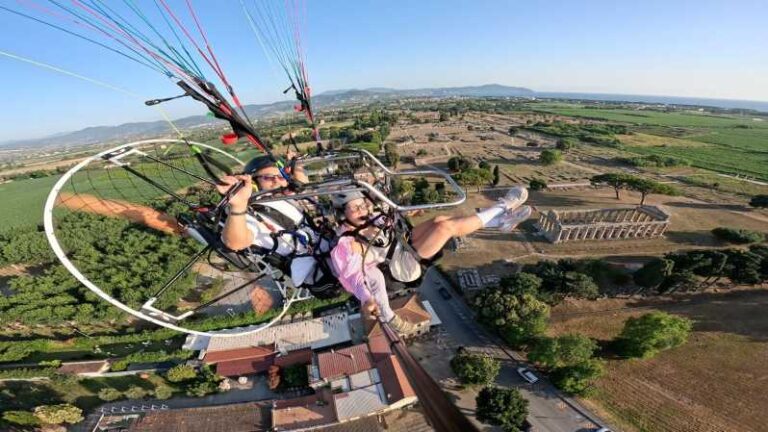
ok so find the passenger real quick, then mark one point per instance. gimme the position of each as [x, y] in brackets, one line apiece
[364, 245]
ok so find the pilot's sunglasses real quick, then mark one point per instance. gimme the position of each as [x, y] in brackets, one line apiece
[270, 177]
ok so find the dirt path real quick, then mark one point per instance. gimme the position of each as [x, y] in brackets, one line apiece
[114, 208]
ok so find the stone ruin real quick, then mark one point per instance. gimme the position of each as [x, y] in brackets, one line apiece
[603, 224]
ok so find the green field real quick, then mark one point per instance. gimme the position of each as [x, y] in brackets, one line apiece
[23, 201]
[736, 144]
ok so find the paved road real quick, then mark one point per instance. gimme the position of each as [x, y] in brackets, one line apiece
[549, 410]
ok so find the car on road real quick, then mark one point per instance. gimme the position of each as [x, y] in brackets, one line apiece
[444, 293]
[527, 375]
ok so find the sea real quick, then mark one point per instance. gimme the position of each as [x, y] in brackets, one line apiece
[668, 100]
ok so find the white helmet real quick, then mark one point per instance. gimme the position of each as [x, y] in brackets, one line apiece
[341, 199]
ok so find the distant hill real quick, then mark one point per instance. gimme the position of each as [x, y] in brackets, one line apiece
[141, 130]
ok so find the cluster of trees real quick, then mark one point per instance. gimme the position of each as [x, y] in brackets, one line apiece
[620, 181]
[698, 269]
[44, 415]
[149, 357]
[503, 407]
[419, 191]
[35, 174]
[129, 260]
[599, 134]
[467, 173]
[474, 368]
[109, 394]
[738, 236]
[519, 307]
[195, 383]
[570, 359]
[556, 280]
[656, 161]
[24, 245]
[513, 308]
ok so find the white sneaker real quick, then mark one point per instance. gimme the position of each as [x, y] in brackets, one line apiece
[515, 197]
[513, 218]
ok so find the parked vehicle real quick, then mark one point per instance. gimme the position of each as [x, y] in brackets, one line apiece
[527, 375]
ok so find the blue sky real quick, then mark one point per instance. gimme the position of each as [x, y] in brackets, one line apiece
[697, 48]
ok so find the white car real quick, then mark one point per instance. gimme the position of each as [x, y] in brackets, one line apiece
[527, 375]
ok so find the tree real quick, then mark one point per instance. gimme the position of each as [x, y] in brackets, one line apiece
[504, 407]
[181, 373]
[21, 418]
[580, 285]
[443, 116]
[473, 177]
[647, 187]
[646, 336]
[58, 414]
[108, 394]
[295, 376]
[391, 154]
[759, 201]
[475, 368]
[617, 181]
[745, 267]
[202, 388]
[577, 379]
[537, 184]
[459, 163]
[653, 273]
[135, 392]
[563, 351]
[163, 392]
[565, 144]
[512, 131]
[517, 317]
[496, 175]
[550, 157]
[521, 283]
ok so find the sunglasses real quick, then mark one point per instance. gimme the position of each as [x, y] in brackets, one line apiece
[270, 177]
[357, 208]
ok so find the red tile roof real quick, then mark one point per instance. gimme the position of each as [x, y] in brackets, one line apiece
[302, 356]
[410, 309]
[239, 354]
[379, 346]
[347, 361]
[303, 412]
[236, 368]
[393, 378]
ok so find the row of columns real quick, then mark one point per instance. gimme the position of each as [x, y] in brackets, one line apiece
[606, 224]
[610, 231]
